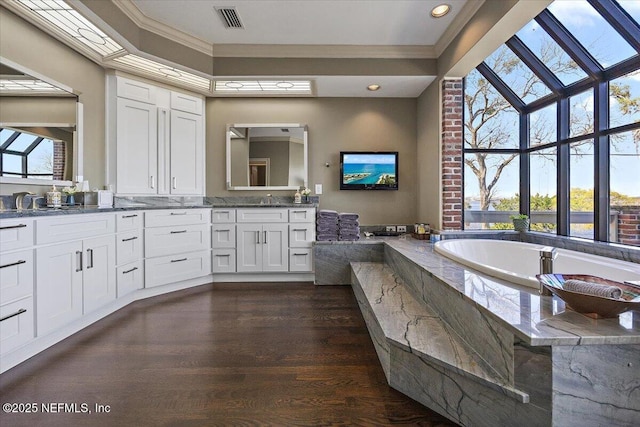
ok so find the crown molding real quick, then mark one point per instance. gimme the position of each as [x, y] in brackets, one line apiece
[461, 19]
[157, 27]
[322, 51]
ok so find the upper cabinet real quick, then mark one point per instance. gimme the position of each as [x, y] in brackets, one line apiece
[155, 139]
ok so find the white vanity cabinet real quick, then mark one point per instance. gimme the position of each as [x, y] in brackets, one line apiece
[302, 234]
[75, 277]
[177, 245]
[16, 284]
[129, 252]
[223, 240]
[155, 139]
[262, 240]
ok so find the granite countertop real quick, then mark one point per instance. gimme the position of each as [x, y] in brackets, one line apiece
[73, 210]
[535, 319]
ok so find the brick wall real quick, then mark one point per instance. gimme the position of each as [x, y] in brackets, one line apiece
[59, 156]
[629, 225]
[452, 140]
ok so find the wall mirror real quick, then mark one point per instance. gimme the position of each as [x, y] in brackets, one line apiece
[267, 156]
[40, 128]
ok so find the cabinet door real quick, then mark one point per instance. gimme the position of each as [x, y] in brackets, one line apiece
[128, 247]
[301, 235]
[160, 241]
[275, 251]
[249, 249]
[137, 147]
[16, 324]
[16, 233]
[223, 236]
[58, 286]
[99, 281]
[187, 153]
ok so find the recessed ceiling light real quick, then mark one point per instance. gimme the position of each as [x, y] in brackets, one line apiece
[440, 10]
[373, 88]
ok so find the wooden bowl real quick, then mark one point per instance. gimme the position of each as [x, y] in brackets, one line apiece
[591, 305]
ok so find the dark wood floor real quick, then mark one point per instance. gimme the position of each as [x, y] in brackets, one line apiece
[225, 354]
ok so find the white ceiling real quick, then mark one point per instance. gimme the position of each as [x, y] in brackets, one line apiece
[374, 27]
[314, 22]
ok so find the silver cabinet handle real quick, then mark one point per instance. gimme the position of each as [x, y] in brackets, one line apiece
[13, 263]
[177, 232]
[257, 237]
[298, 229]
[130, 216]
[265, 237]
[78, 261]
[297, 253]
[178, 213]
[175, 182]
[153, 181]
[90, 258]
[9, 227]
[129, 239]
[130, 271]
[17, 313]
[179, 260]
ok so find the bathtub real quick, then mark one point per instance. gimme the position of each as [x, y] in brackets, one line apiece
[519, 262]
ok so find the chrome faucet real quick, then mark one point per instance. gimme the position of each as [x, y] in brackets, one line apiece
[18, 199]
[547, 255]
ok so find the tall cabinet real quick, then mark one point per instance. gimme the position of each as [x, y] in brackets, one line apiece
[155, 139]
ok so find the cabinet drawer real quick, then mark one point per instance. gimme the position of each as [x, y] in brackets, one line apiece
[138, 91]
[164, 218]
[224, 261]
[74, 227]
[301, 235]
[130, 277]
[301, 259]
[162, 241]
[169, 269]
[302, 215]
[16, 324]
[16, 275]
[262, 215]
[223, 216]
[16, 234]
[128, 221]
[186, 103]
[223, 236]
[128, 247]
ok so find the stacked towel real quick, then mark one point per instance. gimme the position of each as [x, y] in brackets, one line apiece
[327, 225]
[349, 226]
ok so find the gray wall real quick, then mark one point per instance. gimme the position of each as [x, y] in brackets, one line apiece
[335, 124]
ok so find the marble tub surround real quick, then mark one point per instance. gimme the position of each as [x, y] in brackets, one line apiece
[518, 358]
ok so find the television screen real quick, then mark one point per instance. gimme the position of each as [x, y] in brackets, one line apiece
[360, 170]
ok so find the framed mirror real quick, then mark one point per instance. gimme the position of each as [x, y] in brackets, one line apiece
[267, 156]
[40, 129]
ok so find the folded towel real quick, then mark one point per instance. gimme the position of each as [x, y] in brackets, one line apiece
[590, 288]
[348, 216]
[326, 220]
[349, 238]
[327, 229]
[326, 237]
[349, 223]
[326, 213]
[346, 231]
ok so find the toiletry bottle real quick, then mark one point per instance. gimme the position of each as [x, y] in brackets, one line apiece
[297, 198]
[54, 198]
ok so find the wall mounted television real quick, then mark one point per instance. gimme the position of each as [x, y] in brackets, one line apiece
[369, 170]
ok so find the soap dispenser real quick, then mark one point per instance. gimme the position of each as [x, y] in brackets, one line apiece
[54, 198]
[297, 198]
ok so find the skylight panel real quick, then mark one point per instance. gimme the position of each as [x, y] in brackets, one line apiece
[160, 70]
[604, 43]
[64, 18]
[16, 86]
[263, 86]
[632, 7]
[550, 53]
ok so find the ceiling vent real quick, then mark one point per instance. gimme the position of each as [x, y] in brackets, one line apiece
[230, 17]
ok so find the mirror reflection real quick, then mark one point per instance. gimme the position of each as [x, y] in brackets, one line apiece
[37, 129]
[266, 156]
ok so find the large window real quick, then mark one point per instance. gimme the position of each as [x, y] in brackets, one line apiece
[552, 125]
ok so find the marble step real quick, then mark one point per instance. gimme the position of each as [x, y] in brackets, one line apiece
[416, 329]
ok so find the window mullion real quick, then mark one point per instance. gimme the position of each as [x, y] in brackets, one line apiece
[501, 87]
[525, 166]
[601, 162]
[563, 162]
[619, 20]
